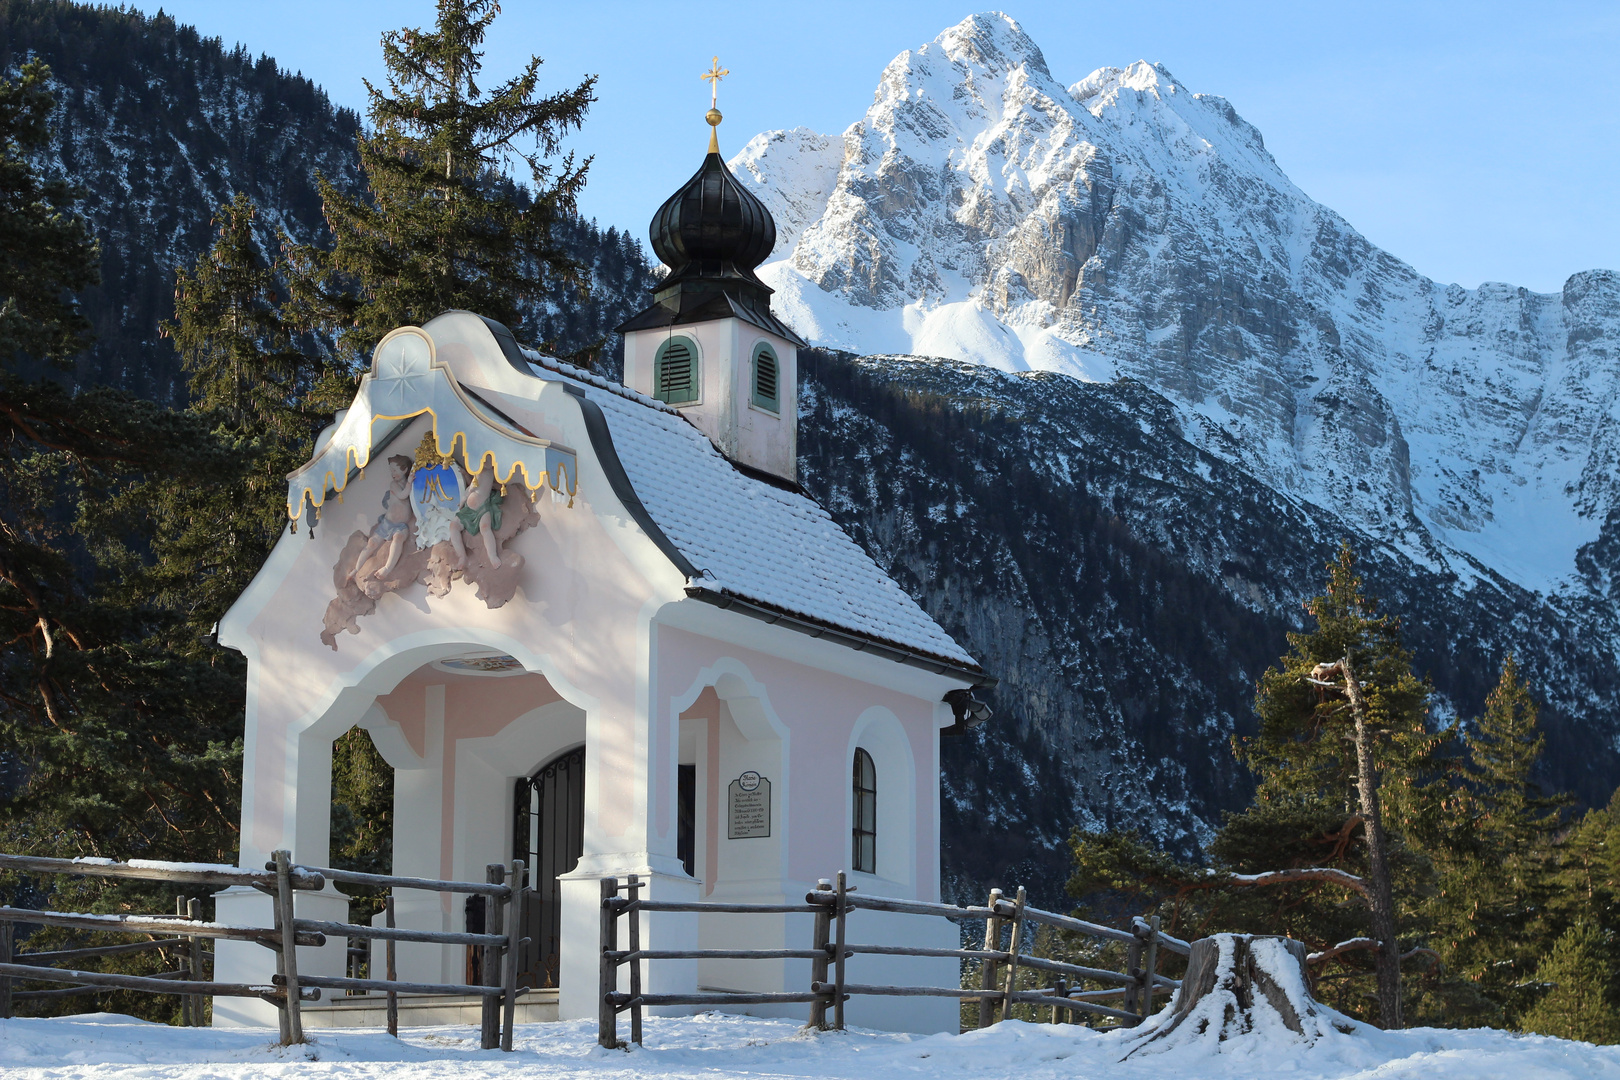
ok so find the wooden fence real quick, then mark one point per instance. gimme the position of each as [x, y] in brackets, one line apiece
[829, 950]
[287, 989]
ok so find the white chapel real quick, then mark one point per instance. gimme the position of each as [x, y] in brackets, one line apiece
[600, 628]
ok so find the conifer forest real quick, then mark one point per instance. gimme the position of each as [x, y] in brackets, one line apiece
[1213, 707]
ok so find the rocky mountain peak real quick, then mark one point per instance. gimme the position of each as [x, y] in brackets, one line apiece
[992, 43]
[1124, 225]
[1105, 84]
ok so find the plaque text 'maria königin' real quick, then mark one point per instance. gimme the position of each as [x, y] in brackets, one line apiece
[750, 804]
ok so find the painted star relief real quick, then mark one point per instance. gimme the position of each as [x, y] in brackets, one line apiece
[400, 365]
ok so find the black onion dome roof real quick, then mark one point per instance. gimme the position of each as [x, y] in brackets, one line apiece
[713, 227]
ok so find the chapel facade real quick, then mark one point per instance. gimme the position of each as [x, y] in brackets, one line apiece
[599, 627]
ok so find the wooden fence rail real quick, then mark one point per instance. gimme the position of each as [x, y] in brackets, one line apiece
[186, 931]
[151, 870]
[829, 950]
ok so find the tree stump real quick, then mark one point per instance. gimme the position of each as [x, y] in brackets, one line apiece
[1241, 985]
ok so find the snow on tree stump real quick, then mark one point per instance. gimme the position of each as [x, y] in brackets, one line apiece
[1241, 986]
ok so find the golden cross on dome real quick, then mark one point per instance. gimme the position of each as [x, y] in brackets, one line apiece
[713, 77]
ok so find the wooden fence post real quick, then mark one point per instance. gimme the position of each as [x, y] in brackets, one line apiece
[607, 1034]
[490, 1035]
[1133, 968]
[5, 980]
[182, 950]
[392, 973]
[194, 951]
[514, 940]
[820, 940]
[1150, 967]
[293, 1020]
[987, 970]
[632, 891]
[1012, 955]
[841, 914]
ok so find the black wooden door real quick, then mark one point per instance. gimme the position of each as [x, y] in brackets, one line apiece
[548, 835]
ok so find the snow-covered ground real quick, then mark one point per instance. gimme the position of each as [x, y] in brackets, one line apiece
[713, 1047]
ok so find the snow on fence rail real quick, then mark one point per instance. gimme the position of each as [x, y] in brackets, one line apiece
[185, 932]
[287, 990]
[829, 950]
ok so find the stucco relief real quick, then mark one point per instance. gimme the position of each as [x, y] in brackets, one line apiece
[439, 523]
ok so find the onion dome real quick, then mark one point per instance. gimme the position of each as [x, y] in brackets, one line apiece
[712, 234]
[713, 228]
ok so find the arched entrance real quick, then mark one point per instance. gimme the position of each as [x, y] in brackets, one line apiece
[548, 834]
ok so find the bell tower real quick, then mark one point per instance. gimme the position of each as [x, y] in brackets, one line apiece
[709, 345]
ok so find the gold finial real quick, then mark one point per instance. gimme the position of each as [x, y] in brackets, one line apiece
[713, 77]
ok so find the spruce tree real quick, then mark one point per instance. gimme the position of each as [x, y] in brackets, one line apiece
[46, 253]
[441, 225]
[265, 392]
[1579, 1000]
[121, 739]
[268, 393]
[1496, 862]
[232, 338]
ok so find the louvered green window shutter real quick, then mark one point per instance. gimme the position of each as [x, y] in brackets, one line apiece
[677, 372]
[767, 378]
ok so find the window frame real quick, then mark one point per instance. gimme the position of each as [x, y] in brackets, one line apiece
[770, 405]
[863, 799]
[696, 367]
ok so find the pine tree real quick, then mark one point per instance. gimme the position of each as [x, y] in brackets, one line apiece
[1356, 753]
[244, 364]
[441, 225]
[48, 255]
[118, 742]
[1491, 911]
[267, 393]
[264, 392]
[362, 817]
[1579, 1002]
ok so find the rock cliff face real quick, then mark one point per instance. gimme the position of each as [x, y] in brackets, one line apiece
[1179, 382]
[1129, 587]
[1125, 226]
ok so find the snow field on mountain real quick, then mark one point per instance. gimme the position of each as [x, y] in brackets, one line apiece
[719, 1047]
[1122, 225]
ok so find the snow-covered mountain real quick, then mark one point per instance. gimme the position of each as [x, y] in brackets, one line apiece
[1124, 226]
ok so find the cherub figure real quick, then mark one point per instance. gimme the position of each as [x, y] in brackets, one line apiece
[393, 526]
[483, 503]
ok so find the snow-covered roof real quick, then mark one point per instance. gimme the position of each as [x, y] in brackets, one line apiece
[746, 537]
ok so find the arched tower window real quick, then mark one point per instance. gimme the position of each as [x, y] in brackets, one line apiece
[864, 838]
[676, 372]
[767, 378]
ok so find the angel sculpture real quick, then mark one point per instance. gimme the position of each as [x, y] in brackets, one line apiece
[483, 504]
[393, 524]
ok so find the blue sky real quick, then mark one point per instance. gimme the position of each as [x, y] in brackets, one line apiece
[1477, 141]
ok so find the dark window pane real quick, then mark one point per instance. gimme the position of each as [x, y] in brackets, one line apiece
[863, 847]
